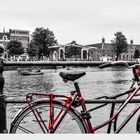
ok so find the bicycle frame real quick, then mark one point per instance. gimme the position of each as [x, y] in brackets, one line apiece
[76, 96]
[52, 126]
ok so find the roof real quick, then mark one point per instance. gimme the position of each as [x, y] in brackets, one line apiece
[74, 44]
[137, 46]
[99, 45]
[108, 46]
[17, 30]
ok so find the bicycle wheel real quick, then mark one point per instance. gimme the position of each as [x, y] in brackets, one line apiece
[25, 121]
[138, 125]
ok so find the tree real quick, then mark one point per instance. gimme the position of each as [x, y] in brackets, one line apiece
[136, 54]
[33, 49]
[15, 48]
[45, 38]
[119, 44]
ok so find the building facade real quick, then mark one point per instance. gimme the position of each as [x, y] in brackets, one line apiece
[4, 39]
[98, 50]
[101, 51]
[104, 51]
[17, 35]
[94, 52]
[20, 36]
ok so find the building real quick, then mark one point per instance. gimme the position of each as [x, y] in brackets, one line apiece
[14, 34]
[128, 56]
[103, 51]
[20, 36]
[94, 52]
[54, 53]
[4, 38]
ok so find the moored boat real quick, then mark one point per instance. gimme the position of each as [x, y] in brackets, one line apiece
[25, 72]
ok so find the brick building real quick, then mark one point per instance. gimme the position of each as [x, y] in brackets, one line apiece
[14, 34]
[20, 36]
[95, 52]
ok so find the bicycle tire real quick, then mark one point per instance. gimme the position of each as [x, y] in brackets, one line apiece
[138, 125]
[25, 121]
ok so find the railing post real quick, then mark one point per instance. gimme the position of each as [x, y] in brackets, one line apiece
[3, 127]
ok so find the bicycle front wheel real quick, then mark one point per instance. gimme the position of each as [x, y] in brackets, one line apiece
[26, 122]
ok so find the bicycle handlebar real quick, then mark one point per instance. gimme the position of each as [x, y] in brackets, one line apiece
[135, 67]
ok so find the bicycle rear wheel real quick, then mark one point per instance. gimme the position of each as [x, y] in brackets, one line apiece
[138, 125]
[25, 121]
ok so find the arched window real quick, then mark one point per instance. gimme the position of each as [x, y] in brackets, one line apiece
[4, 37]
[123, 57]
[61, 54]
[84, 54]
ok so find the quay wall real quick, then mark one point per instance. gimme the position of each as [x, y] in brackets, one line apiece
[54, 64]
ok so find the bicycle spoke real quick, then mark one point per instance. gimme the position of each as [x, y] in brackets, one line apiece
[24, 129]
[26, 122]
[64, 126]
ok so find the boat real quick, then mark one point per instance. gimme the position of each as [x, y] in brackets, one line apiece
[26, 72]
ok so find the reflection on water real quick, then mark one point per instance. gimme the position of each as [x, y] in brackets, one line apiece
[96, 82]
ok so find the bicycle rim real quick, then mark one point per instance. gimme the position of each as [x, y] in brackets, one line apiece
[26, 122]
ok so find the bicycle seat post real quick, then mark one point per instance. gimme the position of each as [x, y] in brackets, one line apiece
[76, 86]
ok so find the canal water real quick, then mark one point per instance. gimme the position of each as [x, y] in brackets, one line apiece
[97, 82]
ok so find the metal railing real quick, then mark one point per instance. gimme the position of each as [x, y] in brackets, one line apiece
[87, 101]
[4, 100]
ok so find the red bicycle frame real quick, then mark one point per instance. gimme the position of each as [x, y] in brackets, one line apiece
[52, 126]
[54, 121]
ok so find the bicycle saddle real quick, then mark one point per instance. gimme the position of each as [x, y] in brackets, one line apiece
[71, 76]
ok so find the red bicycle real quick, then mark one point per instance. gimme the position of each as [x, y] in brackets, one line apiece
[53, 113]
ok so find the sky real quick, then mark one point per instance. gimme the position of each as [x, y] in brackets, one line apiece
[85, 21]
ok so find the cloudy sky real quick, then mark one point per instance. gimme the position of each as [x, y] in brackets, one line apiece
[85, 21]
